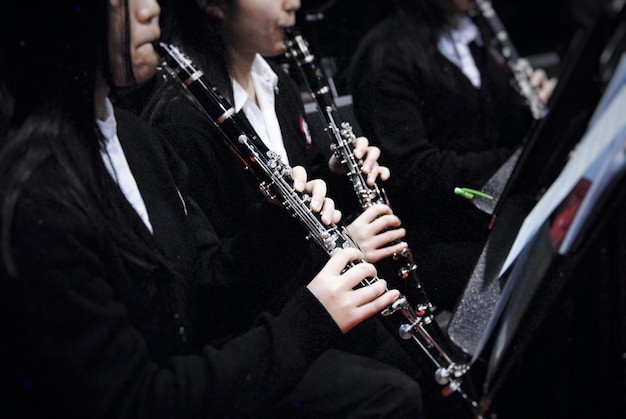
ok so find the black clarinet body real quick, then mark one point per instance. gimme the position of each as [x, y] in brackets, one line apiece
[442, 354]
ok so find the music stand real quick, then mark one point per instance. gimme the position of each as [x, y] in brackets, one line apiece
[498, 312]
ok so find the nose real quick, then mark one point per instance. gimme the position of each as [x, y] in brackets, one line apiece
[148, 10]
[292, 5]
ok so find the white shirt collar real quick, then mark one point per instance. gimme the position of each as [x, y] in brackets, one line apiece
[263, 116]
[466, 32]
[454, 45]
[108, 125]
[264, 79]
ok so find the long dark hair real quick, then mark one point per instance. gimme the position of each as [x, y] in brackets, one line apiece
[51, 62]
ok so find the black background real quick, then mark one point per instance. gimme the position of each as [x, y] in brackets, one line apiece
[333, 28]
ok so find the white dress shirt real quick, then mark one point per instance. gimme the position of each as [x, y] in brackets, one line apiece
[115, 162]
[454, 45]
[262, 117]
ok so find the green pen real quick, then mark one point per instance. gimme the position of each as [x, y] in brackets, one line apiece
[471, 193]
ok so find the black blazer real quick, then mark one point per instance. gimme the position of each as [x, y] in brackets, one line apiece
[86, 331]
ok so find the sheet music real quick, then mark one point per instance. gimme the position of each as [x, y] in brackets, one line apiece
[612, 163]
[606, 128]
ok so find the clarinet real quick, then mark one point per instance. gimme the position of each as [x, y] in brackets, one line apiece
[298, 53]
[276, 182]
[520, 67]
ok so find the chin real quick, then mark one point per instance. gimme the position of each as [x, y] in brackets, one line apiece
[144, 73]
[277, 49]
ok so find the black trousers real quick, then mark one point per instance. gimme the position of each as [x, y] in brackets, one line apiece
[344, 385]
